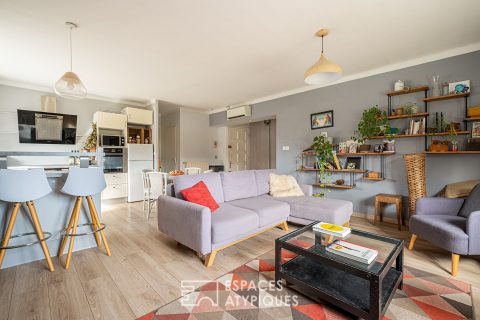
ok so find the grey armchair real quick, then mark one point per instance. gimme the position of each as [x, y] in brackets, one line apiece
[451, 224]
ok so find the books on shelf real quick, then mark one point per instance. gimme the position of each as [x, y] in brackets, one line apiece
[332, 229]
[337, 163]
[416, 127]
[352, 251]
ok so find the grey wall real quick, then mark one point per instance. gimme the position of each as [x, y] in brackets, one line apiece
[348, 100]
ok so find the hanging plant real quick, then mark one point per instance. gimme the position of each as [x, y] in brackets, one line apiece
[91, 141]
[323, 153]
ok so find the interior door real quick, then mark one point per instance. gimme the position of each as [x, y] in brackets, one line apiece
[238, 148]
[170, 149]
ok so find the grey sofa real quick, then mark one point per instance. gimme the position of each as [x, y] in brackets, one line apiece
[451, 224]
[246, 209]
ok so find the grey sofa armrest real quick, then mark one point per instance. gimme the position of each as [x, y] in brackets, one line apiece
[186, 222]
[473, 231]
[438, 206]
[307, 189]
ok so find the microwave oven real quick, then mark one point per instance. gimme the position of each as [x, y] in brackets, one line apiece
[112, 141]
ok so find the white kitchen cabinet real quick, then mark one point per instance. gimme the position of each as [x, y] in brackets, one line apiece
[139, 116]
[108, 120]
[116, 186]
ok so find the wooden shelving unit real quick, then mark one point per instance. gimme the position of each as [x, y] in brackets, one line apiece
[411, 90]
[373, 179]
[365, 154]
[447, 97]
[409, 116]
[144, 133]
[337, 171]
[468, 119]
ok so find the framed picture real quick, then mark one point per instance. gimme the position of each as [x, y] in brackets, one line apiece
[459, 86]
[476, 129]
[321, 120]
[353, 162]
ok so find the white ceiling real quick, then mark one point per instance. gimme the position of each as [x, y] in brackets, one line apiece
[213, 53]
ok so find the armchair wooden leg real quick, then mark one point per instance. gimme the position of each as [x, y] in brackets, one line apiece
[284, 225]
[347, 224]
[412, 241]
[210, 258]
[455, 260]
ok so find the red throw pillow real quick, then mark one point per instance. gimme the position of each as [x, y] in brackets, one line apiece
[200, 194]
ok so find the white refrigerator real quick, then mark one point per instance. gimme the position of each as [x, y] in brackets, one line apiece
[139, 157]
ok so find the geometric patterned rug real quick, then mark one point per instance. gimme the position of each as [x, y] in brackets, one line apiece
[248, 293]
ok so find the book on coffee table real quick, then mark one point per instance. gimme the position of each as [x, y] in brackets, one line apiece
[332, 229]
[352, 251]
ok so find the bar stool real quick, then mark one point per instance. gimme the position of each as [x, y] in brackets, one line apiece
[83, 182]
[19, 186]
[389, 199]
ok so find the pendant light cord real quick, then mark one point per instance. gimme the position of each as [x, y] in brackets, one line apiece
[71, 51]
[322, 44]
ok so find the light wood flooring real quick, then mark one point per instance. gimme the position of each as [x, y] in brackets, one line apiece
[146, 267]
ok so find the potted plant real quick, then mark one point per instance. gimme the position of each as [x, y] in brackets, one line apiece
[374, 122]
[91, 141]
[323, 153]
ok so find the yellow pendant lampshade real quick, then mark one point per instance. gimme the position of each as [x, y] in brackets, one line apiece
[69, 85]
[324, 70]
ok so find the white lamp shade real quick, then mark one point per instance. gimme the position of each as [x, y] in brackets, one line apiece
[323, 71]
[69, 86]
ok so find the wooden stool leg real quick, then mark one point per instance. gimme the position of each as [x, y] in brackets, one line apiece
[401, 212]
[399, 215]
[8, 232]
[375, 218]
[40, 235]
[69, 228]
[74, 231]
[97, 220]
[380, 211]
[95, 225]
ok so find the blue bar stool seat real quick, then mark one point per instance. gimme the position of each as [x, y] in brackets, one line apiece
[19, 186]
[83, 182]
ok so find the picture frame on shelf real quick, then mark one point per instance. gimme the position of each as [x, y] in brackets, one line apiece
[476, 129]
[321, 120]
[353, 163]
[459, 87]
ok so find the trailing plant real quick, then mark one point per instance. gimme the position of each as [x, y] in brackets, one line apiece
[323, 153]
[91, 141]
[374, 122]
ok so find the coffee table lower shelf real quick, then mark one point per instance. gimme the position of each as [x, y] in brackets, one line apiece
[350, 292]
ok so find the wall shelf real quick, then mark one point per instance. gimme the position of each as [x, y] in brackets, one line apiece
[447, 97]
[453, 152]
[333, 186]
[373, 179]
[337, 170]
[420, 135]
[409, 116]
[468, 119]
[365, 154]
[411, 90]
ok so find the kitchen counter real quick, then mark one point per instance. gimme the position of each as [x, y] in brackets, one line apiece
[54, 210]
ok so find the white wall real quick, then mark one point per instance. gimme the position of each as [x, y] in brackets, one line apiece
[13, 98]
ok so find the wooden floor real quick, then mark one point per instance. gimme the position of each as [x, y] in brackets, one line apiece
[146, 267]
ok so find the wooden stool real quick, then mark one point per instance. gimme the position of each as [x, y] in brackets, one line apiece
[391, 199]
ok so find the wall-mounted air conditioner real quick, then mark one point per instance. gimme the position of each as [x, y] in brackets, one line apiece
[238, 112]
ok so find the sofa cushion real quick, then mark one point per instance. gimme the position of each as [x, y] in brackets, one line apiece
[199, 194]
[262, 177]
[230, 221]
[238, 185]
[319, 209]
[211, 180]
[447, 232]
[472, 203]
[284, 186]
[269, 210]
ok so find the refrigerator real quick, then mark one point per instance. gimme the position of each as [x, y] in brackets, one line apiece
[139, 157]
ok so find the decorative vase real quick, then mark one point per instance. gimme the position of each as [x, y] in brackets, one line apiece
[436, 86]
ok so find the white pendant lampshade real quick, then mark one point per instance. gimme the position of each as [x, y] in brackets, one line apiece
[324, 70]
[69, 85]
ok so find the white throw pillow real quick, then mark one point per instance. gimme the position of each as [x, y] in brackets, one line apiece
[284, 186]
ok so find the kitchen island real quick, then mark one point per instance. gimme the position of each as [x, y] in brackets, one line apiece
[54, 209]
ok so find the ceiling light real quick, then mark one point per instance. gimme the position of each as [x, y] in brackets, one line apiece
[323, 71]
[69, 85]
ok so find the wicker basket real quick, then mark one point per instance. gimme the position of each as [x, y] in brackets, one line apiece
[415, 164]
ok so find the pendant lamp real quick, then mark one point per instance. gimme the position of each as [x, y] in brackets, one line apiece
[69, 85]
[324, 70]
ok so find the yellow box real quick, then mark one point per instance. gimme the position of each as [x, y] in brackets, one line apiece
[473, 111]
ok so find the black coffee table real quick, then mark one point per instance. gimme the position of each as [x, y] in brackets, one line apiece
[359, 289]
